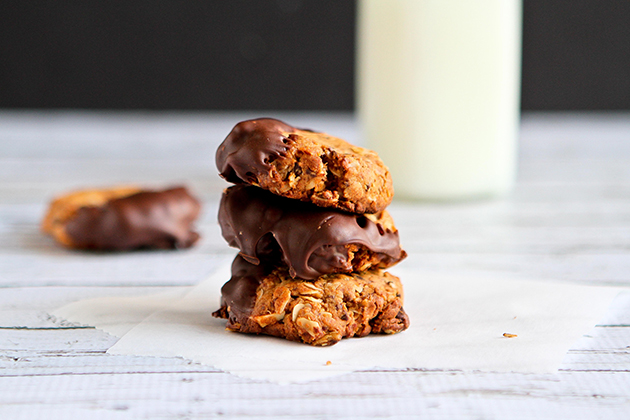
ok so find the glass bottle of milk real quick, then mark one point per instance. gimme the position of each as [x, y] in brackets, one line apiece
[438, 93]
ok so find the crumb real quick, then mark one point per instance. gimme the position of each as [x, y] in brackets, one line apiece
[328, 363]
[508, 335]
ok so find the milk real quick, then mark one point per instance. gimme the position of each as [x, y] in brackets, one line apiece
[438, 85]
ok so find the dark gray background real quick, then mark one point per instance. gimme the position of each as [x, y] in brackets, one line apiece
[280, 54]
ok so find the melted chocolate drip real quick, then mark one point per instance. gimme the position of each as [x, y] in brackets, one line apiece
[249, 148]
[311, 240]
[239, 294]
[148, 219]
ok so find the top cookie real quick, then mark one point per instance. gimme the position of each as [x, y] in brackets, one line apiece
[305, 165]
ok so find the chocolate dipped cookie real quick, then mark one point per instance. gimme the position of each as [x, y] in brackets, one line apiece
[310, 240]
[124, 218]
[263, 299]
[305, 165]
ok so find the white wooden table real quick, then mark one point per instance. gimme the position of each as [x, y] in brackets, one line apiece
[568, 219]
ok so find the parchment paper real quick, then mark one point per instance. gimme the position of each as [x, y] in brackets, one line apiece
[457, 323]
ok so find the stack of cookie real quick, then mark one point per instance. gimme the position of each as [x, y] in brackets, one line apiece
[308, 216]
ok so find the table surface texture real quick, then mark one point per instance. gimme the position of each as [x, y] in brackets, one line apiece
[568, 219]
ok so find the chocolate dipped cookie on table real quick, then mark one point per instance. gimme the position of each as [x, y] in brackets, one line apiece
[308, 217]
[123, 219]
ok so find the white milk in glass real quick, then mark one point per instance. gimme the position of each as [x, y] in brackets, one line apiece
[438, 86]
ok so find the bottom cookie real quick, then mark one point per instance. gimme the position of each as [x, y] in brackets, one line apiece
[267, 300]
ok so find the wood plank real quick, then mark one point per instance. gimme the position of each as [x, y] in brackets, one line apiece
[581, 267]
[575, 135]
[360, 395]
[57, 340]
[148, 269]
[617, 360]
[149, 135]
[32, 363]
[91, 361]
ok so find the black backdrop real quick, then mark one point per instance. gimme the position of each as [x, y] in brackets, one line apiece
[280, 54]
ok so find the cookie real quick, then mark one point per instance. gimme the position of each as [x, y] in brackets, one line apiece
[260, 299]
[305, 165]
[123, 218]
[312, 241]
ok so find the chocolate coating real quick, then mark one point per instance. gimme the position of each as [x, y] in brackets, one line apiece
[239, 293]
[264, 138]
[148, 219]
[312, 241]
